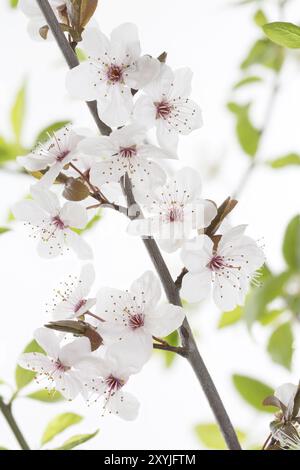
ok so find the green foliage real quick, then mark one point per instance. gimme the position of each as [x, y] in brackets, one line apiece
[247, 81]
[269, 316]
[286, 160]
[13, 3]
[265, 53]
[76, 441]
[170, 357]
[210, 435]
[4, 230]
[229, 318]
[59, 424]
[22, 376]
[91, 224]
[280, 345]
[260, 18]
[284, 34]
[44, 134]
[291, 243]
[45, 396]
[18, 113]
[253, 392]
[81, 55]
[3, 448]
[248, 136]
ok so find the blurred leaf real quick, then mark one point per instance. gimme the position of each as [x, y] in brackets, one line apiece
[13, 3]
[18, 113]
[9, 151]
[45, 396]
[247, 81]
[258, 299]
[24, 377]
[2, 382]
[286, 160]
[210, 435]
[4, 230]
[269, 316]
[229, 318]
[3, 448]
[59, 424]
[76, 441]
[260, 18]
[170, 357]
[283, 34]
[94, 220]
[280, 345]
[253, 392]
[291, 243]
[81, 55]
[248, 136]
[44, 134]
[264, 53]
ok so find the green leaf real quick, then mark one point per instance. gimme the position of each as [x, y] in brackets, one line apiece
[286, 160]
[13, 3]
[210, 435]
[76, 441]
[18, 113]
[259, 298]
[3, 448]
[59, 424]
[291, 243]
[283, 34]
[264, 53]
[44, 134]
[91, 224]
[229, 318]
[24, 377]
[4, 230]
[81, 55]
[248, 136]
[260, 18]
[280, 345]
[170, 357]
[253, 392]
[269, 316]
[45, 396]
[247, 81]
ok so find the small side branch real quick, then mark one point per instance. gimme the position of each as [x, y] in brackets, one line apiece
[6, 410]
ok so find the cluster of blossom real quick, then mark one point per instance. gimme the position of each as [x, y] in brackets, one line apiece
[175, 214]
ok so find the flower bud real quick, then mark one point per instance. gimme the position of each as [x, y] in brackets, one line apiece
[75, 190]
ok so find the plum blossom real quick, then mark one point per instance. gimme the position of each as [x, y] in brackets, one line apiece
[175, 210]
[167, 106]
[53, 224]
[286, 393]
[229, 265]
[53, 155]
[113, 68]
[133, 317]
[36, 19]
[71, 298]
[112, 376]
[125, 151]
[65, 367]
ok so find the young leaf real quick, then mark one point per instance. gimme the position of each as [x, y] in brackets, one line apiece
[248, 136]
[24, 377]
[43, 135]
[210, 435]
[13, 3]
[247, 81]
[4, 230]
[280, 345]
[81, 55]
[291, 243]
[283, 34]
[260, 18]
[229, 318]
[76, 441]
[286, 160]
[59, 424]
[18, 112]
[45, 396]
[264, 53]
[253, 392]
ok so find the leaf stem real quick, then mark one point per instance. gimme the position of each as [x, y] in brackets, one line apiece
[6, 410]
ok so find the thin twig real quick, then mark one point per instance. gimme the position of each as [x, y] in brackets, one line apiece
[6, 410]
[174, 349]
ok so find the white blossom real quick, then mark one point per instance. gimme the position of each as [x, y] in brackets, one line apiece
[64, 367]
[175, 210]
[52, 224]
[229, 266]
[114, 67]
[286, 394]
[36, 18]
[167, 106]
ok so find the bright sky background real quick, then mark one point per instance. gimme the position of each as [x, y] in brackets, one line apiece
[212, 38]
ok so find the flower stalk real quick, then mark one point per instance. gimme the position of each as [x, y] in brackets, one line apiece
[6, 410]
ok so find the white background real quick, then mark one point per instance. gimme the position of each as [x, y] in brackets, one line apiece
[212, 38]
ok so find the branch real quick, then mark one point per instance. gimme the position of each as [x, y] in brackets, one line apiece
[172, 293]
[7, 413]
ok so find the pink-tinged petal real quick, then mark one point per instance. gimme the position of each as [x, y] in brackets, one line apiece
[197, 253]
[196, 287]
[36, 362]
[164, 320]
[86, 307]
[79, 245]
[146, 290]
[46, 199]
[48, 340]
[286, 392]
[147, 69]
[101, 147]
[32, 163]
[83, 82]
[145, 112]
[115, 106]
[68, 384]
[95, 43]
[74, 352]
[28, 211]
[182, 83]
[124, 43]
[74, 215]
[124, 405]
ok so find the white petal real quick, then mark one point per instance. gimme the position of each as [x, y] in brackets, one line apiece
[196, 287]
[86, 307]
[167, 137]
[232, 234]
[145, 175]
[286, 392]
[165, 320]
[226, 292]
[48, 340]
[115, 108]
[125, 42]
[146, 289]
[74, 215]
[132, 352]
[68, 384]
[79, 245]
[52, 246]
[147, 69]
[32, 163]
[50, 176]
[28, 211]
[182, 82]
[145, 112]
[95, 43]
[46, 199]
[35, 362]
[73, 352]
[197, 253]
[86, 279]
[104, 172]
[83, 82]
[161, 86]
[124, 405]
[29, 8]
[111, 303]
[171, 245]
[186, 181]
[97, 146]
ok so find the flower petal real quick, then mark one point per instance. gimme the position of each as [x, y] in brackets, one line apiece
[46, 199]
[286, 392]
[196, 287]
[197, 253]
[79, 245]
[83, 82]
[28, 211]
[145, 112]
[115, 106]
[74, 215]
[124, 43]
[146, 290]
[147, 69]
[124, 405]
[74, 352]
[95, 43]
[164, 320]
[48, 340]
[36, 362]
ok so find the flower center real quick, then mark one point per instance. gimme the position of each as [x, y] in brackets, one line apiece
[58, 223]
[163, 109]
[79, 304]
[216, 263]
[62, 155]
[59, 366]
[113, 383]
[128, 152]
[136, 321]
[114, 73]
[174, 214]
